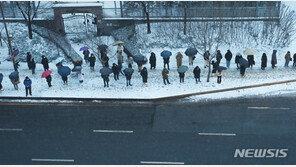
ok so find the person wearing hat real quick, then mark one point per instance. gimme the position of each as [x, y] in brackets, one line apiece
[179, 58]
[28, 83]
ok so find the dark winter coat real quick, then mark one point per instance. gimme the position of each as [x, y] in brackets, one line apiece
[251, 60]
[92, 61]
[128, 76]
[44, 62]
[144, 75]
[288, 57]
[294, 58]
[228, 55]
[166, 60]
[237, 57]
[105, 77]
[27, 82]
[218, 56]
[273, 57]
[48, 78]
[28, 57]
[181, 74]
[115, 69]
[264, 60]
[196, 72]
[32, 64]
[165, 73]
[86, 54]
[152, 59]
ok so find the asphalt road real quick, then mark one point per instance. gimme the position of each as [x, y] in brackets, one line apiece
[159, 133]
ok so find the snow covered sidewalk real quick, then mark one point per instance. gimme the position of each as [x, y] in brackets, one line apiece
[92, 87]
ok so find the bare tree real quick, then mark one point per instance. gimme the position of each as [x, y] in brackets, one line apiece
[29, 12]
[146, 6]
[207, 37]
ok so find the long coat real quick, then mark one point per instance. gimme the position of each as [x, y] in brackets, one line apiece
[237, 59]
[92, 61]
[32, 64]
[273, 57]
[165, 73]
[152, 59]
[251, 60]
[144, 75]
[228, 55]
[179, 58]
[196, 72]
[264, 61]
[44, 62]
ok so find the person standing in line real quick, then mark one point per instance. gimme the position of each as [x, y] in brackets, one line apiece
[29, 56]
[228, 57]
[33, 65]
[44, 62]
[219, 76]
[165, 76]
[294, 60]
[287, 58]
[218, 57]
[263, 61]
[28, 83]
[92, 62]
[152, 61]
[196, 72]
[273, 59]
[144, 75]
[179, 58]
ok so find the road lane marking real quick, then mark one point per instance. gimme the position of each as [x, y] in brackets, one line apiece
[217, 134]
[156, 162]
[268, 108]
[54, 160]
[7, 129]
[113, 131]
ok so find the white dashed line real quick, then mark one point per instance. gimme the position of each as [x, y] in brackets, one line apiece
[7, 129]
[113, 131]
[163, 163]
[54, 160]
[217, 134]
[268, 108]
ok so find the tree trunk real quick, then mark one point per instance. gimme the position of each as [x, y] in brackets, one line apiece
[30, 29]
[147, 18]
[209, 72]
[185, 18]
[5, 26]
[121, 10]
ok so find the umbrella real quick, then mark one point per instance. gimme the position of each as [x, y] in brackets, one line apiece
[243, 62]
[166, 54]
[103, 47]
[64, 71]
[118, 43]
[84, 48]
[77, 69]
[238, 53]
[182, 69]
[1, 77]
[249, 52]
[191, 52]
[221, 68]
[16, 52]
[14, 75]
[140, 58]
[105, 71]
[128, 71]
[46, 73]
[58, 60]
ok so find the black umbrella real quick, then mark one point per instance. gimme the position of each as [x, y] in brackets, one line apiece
[140, 59]
[128, 71]
[103, 47]
[191, 52]
[243, 62]
[105, 71]
[221, 68]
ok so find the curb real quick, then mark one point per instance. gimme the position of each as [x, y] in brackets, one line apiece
[146, 100]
